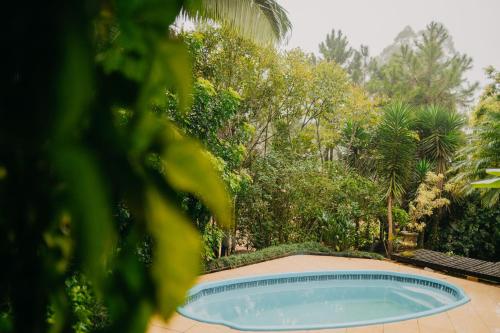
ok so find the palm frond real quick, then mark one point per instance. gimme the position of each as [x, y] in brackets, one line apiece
[261, 20]
[396, 147]
[482, 152]
[441, 136]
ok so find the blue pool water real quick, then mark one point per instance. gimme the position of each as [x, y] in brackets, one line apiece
[315, 300]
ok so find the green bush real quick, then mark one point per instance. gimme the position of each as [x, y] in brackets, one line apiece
[300, 200]
[90, 315]
[212, 237]
[400, 218]
[472, 231]
[279, 251]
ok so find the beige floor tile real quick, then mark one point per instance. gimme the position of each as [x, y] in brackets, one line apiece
[277, 331]
[179, 323]
[366, 329]
[439, 323]
[206, 328]
[159, 329]
[489, 313]
[407, 326]
[465, 320]
[330, 330]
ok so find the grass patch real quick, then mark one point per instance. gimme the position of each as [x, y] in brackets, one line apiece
[280, 251]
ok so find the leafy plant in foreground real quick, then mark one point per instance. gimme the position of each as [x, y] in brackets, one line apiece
[67, 160]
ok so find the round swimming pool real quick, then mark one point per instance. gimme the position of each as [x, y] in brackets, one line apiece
[316, 300]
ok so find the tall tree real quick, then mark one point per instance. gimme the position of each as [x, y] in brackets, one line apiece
[427, 71]
[358, 68]
[396, 149]
[336, 48]
[440, 133]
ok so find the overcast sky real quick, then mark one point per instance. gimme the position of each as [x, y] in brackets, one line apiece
[473, 24]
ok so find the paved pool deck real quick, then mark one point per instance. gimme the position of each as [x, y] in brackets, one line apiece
[481, 314]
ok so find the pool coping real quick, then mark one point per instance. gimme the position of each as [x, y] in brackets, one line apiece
[203, 286]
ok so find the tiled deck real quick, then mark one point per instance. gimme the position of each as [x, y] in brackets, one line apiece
[481, 314]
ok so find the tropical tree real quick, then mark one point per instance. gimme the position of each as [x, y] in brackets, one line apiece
[336, 48]
[396, 149]
[356, 132]
[440, 135]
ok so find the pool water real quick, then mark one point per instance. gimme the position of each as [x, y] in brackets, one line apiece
[319, 300]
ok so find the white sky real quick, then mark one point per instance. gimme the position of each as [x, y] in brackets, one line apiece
[473, 24]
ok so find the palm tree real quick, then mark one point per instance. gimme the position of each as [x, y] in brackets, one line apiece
[260, 20]
[440, 135]
[396, 150]
[422, 167]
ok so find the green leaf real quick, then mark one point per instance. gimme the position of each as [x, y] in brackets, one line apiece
[170, 69]
[189, 168]
[487, 183]
[177, 253]
[91, 214]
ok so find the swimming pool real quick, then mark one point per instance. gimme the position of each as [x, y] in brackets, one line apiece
[316, 300]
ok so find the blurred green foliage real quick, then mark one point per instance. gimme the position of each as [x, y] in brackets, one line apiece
[82, 144]
[90, 315]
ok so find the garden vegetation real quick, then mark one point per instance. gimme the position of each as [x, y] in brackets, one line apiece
[135, 154]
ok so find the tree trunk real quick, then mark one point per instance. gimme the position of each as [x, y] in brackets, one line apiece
[265, 141]
[234, 228]
[356, 235]
[433, 239]
[420, 242]
[390, 235]
[318, 138]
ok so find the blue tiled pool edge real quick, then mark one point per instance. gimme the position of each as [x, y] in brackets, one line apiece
[294, 277]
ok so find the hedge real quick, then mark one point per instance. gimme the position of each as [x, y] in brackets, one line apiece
[280, 251]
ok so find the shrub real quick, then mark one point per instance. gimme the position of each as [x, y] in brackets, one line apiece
[293, 201]
[279, 251]
[472, 231]
[89, 313]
